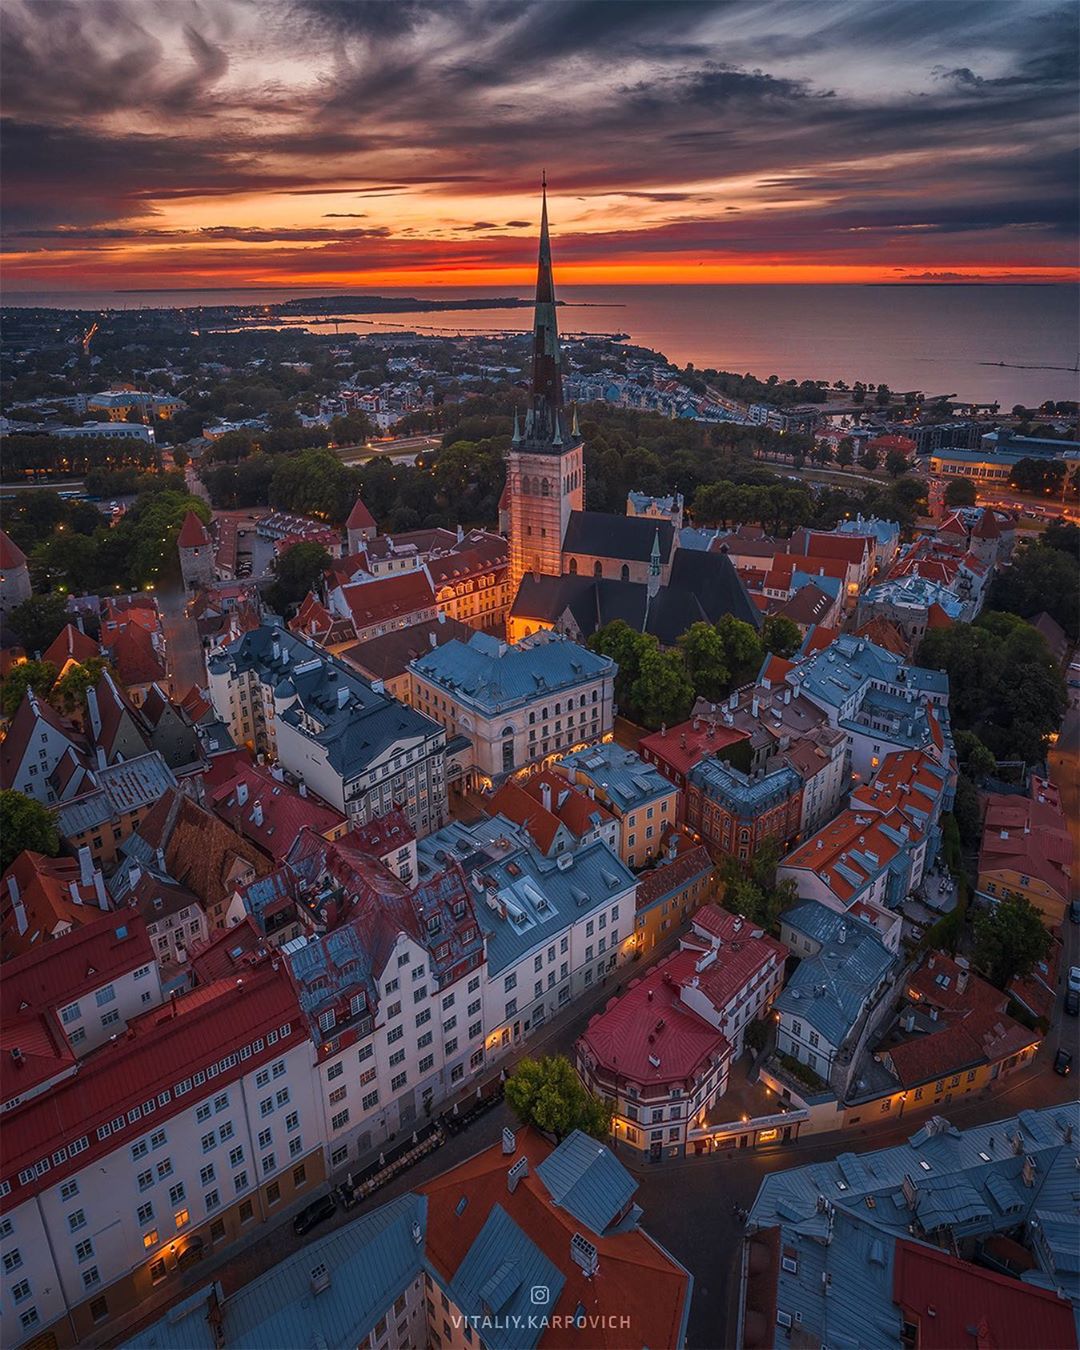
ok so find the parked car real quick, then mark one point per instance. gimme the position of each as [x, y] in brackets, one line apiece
[1072, 1003]
[1074, 978]
[1063, 1063]
[314, 1214]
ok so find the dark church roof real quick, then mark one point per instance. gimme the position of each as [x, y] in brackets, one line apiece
[717, 586]
[628, 538]
[593, 602]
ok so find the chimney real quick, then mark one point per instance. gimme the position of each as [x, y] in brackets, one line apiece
[320, 1279]
[86, 866]
[1028, 1172]
[241, 794]
[134, 872]
[755, 704]
[257, 814]
[343, 695]
[584, 1254]
[99, 890]
[516, 1174]
[509, 1142]
[75, 893]
[433, 641]
[962, 978]
[545, 795]
[303, 788]
[17, 905]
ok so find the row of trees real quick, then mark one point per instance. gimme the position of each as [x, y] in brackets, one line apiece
[71, 549]
[1044, 576]
[53, 456]
[66, 694]
[654, 686]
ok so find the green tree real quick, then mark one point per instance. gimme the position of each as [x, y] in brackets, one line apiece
[626, 648]
[355, 428]
[845, 453]
[961, 492]
[181, 458]
[896, 463]
[976, 760]
[662, 691]
[1010, 939]
[36, 675]
[1039, 578]
[25, 823]
[705, 657]
[314, 483]
[743, 648]
[869, 459]
[69, 692]
[295, 572]
[548, 1094]
[37, 621]
[781, 636]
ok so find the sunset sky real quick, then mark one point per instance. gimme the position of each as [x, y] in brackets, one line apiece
[380, 143]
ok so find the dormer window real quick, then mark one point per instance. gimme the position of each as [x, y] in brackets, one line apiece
[327, 1020]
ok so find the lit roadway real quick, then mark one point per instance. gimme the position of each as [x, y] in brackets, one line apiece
[405, 447]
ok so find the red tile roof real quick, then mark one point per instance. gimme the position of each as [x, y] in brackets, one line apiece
[200, 849]
[956, 1304]
[936, 617]
[743, 949]
[33, 1051]
[360, 518]
[579, 812]
[1028, 835]
[11, 556]
[672, 874]
[852, 548]
[972, 1025]
[106, 947]
[882, 633]
[987, 526]
[135, 657]
[283, 811]
[383, 834]
[637, 1279]
[818, 638]
[513, 802]
[680, 747]
[27, 716]
[45, 889]
[193, 533]
[388, 598]
[650, 1022]
[159, 1050]
[71, 644]
[314, 620]
[843, 836]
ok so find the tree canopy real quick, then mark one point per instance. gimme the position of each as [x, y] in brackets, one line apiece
[1041, 578]
[1010, 939]
[548, 1094]
[960, 492]
[25, 823]
[1003, 683]
[295, 572]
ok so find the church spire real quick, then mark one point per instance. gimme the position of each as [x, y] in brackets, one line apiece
[547, 401]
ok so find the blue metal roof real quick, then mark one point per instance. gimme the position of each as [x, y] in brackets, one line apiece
[884, 531]
[586, 1179]
[493, 676]
[355, 722]
[367, 1263]
[744, 796]
[521, 897]
[497, 1278]
[829, 991]
[626, 778]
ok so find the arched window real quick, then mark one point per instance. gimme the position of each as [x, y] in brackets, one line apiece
[545, 488]
[525, 484]
[508, 731]
[573, 567]
[536, 487]
[598, 570]
[624, 575]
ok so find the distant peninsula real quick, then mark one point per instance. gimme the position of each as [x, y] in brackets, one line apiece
[381, 304]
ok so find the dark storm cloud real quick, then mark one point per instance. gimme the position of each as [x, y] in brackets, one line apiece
[113, 107]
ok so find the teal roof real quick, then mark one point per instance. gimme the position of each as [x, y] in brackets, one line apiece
[744, 796]
[368, 1263]
[521, 897]
[492, 676]
[588, 1181]
[626, 778]
[497, 1278]
[829, 991]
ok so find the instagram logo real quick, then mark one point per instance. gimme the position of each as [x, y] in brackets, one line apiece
[540, 1295]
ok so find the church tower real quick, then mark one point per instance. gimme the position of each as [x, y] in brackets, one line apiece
[545, 469]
